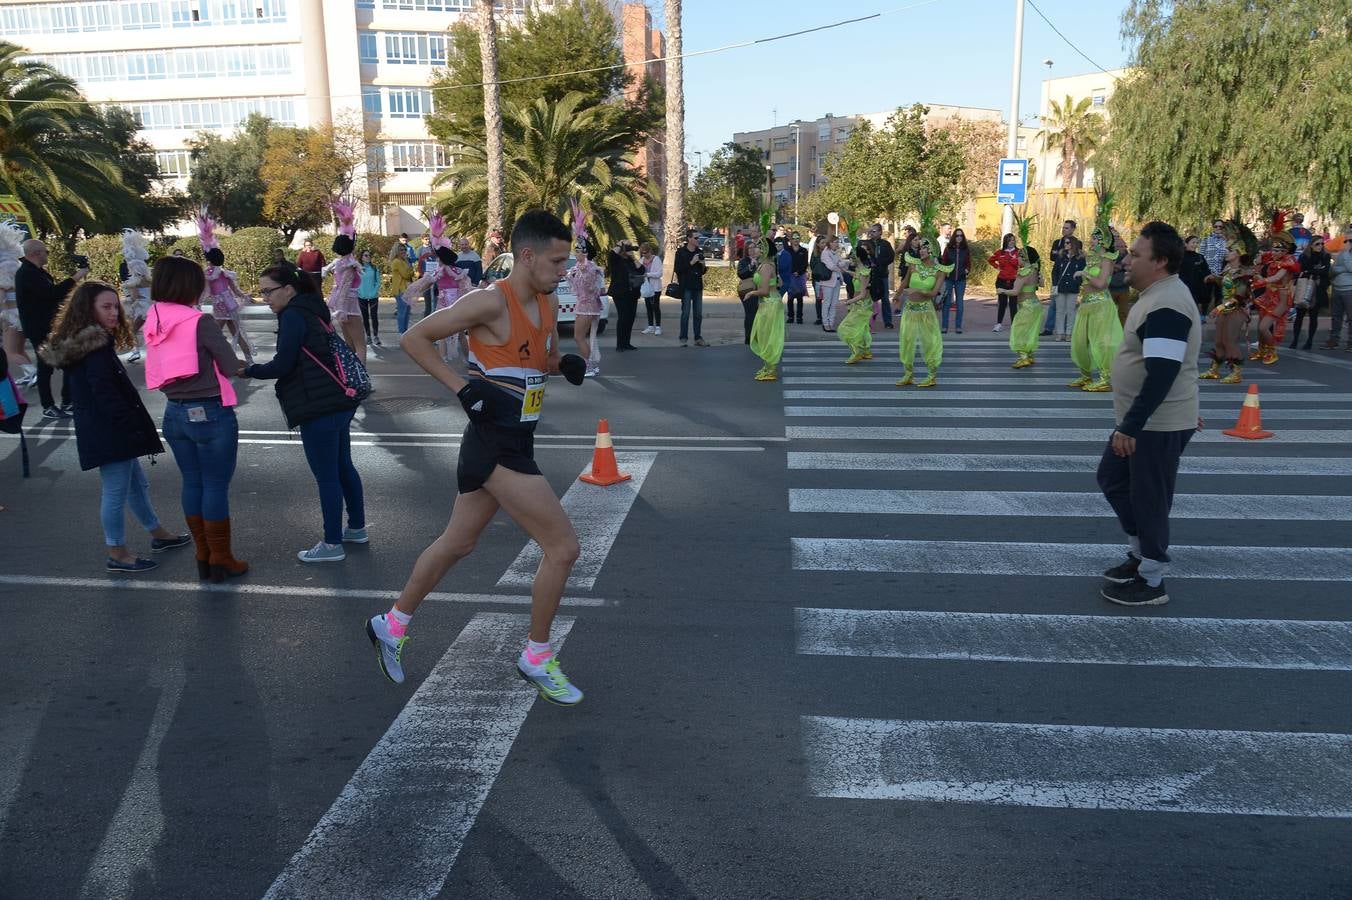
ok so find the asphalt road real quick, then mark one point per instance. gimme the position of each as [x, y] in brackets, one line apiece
[796, 686]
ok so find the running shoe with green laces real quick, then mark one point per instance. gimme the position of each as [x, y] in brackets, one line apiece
[389, 649]
[550, 681]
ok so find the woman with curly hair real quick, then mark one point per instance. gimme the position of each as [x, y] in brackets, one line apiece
[112, 428]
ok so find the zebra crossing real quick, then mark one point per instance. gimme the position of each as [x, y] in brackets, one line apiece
[987, 481]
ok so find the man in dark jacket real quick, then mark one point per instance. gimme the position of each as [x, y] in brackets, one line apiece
[876, 251]
[623, 292]
[39, 297]
[690, 276]
[1060, 257]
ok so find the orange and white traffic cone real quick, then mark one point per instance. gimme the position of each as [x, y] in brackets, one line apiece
[1250, 424]
[604, 470]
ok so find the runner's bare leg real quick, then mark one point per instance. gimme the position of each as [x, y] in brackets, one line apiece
[469, 517]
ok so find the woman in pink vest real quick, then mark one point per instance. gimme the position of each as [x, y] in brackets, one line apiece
[189, 359]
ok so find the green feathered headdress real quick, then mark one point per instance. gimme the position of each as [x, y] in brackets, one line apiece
[1023, 227]
[767, 221]
[929, 214]
[1103, 218]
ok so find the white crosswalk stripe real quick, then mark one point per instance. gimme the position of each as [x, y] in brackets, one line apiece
[859, 475]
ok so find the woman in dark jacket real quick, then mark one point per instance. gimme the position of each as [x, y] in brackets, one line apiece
[314, 401]
[1315, 265]
[621, 272]
[112, 428]
[957, 254]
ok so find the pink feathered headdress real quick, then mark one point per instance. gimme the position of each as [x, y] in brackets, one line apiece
[579, 223]
[436, 231]
[343, 210]
[206, 230]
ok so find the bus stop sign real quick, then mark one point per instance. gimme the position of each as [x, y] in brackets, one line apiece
[1011, 181]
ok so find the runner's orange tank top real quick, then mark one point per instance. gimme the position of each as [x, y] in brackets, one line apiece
[525, 353]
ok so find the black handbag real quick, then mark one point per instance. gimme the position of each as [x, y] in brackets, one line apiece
[675, 291]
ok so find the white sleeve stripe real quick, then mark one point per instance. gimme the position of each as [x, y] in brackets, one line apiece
[1165, 348]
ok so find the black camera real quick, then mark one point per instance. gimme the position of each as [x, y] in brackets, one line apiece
[81, 262]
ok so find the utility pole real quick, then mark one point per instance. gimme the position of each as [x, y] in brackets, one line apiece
[1012, 139]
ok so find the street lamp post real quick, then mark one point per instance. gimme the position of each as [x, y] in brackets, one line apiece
[1012, 138]
[797, 154]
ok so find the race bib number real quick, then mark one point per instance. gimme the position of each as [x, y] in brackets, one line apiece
[534, 399]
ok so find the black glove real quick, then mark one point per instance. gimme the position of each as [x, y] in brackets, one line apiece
[476, 398]
[573, 367]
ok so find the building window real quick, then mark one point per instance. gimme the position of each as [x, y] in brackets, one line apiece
[197, 62]
[415, 156]
[409, 103]
[195, 115]
[824, 132]
[366, 47]
[812, 181]
[413, 48]
[842, 133]
[366, 4]
[135, 15]
[174, 163]
[370, 100]
[781, 143]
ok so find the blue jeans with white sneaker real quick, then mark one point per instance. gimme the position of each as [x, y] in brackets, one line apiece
[328, 449]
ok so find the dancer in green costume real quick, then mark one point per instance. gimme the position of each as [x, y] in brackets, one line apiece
[767, 330]
[1027, 323]
[854, 328]
[1098, 330]
[919, 317]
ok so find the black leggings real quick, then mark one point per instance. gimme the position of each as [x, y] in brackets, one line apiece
[789, 314]
[749, 306]
[654, 305]
[370, 318]
[1012, 301]
[1301, 314]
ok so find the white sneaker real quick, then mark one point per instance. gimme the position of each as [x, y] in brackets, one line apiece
[648, 330]
[998, 327]
[591, 372]
[389, 649]
[322, 553]
[550, 681]
[657, 329]
[135, 356]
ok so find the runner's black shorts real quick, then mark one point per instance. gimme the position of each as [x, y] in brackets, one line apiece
[484, 447]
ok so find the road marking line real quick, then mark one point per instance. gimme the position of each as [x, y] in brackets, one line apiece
[983, 462]
[112, 583]
[1072, 560]
[1026, 413]
[134, 831]
[1006, 380]
[452, 445]
[1048, 395]
[597, 514]
[1081, 766]
[1001, 435]
[1063, 504]
[455, 436]
[1080, 640]
[398, 826]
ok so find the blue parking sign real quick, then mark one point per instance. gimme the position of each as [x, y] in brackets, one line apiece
[1011, 181]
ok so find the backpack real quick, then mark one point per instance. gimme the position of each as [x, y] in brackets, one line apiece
[12, 410]
[351, 376]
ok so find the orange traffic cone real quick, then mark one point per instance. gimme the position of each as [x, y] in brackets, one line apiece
[1250, 424]
[604, 471]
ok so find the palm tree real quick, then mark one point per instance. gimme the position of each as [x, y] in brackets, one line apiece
[50, 155]
[1077, 132]
[556, 152]
[488, 51]
[674, 221]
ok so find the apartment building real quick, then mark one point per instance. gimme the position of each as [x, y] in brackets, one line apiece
[1097, 87]
[796, 153]
[184, 66]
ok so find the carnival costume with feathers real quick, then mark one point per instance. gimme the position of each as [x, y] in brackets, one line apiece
[854, 329]
[1230, 316]
[450, 280]
[589, 283]
[919, 318]
[1026, 326]
[345, 268]
[136, 289]
[767, 330]
[11, 253]
[222, 290]
[1098, 330]
[1276, 298]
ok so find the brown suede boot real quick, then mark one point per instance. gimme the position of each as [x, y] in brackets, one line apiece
[198, 528]
[223, 562]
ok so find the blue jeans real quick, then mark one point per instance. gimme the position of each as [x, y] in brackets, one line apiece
[124, 483]
[205, 451]
[328, 450]
[692, 300]
[401, 314]
[954, 291]
[878, 288]
[1049, 323]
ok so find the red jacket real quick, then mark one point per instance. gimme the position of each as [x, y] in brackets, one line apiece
[309, 260]
[1006, 264]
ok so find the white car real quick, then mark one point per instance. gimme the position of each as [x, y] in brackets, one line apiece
[501, 267]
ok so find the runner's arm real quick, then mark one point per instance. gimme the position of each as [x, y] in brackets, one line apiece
[419, 342]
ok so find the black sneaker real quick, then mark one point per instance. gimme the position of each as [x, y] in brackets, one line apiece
[1135, 593]
[55, 412]
[159, 545]
[1125, 573]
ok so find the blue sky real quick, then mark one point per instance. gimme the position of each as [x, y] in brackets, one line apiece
[946, 51]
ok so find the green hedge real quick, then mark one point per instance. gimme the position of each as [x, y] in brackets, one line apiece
[247, 252]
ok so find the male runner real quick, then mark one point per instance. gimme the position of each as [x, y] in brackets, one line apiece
[513, 345]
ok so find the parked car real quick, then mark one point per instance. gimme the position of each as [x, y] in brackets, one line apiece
[713, 245]
[501, 267]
